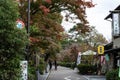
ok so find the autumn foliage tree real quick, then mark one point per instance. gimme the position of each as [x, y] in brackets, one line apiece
[45, 15]
[81, 42]
[46, 31]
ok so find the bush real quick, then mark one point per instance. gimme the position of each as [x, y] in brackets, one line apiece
[41, 66]
[31, 73]
[112, 75]
[86, 69]
[67, 64]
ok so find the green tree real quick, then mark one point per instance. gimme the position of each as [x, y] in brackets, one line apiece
[12, 42]
[45, 15]
[79, 41]
[46, 30]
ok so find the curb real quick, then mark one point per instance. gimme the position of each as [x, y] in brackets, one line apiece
[86, 77]
[89, 77]
[47, 75]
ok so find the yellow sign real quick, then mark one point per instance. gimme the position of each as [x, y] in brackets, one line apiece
[100, 49]
[42, 51]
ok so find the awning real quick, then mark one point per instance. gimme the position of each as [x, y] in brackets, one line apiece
[112, 50]
[110, 15]
[108, 46]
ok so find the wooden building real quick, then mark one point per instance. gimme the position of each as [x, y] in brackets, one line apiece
[112, 50]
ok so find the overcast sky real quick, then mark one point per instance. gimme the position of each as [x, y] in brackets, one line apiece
[96, 16]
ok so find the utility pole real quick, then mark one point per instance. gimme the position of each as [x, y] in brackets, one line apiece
[28, 28]
[28, 18]
[24, 63]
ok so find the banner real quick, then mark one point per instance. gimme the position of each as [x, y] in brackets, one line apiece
[79, 58]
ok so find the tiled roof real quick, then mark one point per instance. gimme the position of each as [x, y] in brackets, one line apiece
[110, 15]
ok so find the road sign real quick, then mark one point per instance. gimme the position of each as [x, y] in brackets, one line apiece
[100, 49]
[20, 24]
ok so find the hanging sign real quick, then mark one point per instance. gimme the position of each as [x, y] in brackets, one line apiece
[100, 49]
[107, 57]
[116, 30]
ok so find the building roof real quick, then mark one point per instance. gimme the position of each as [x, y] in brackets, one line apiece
[112, 51]
[108, 46]
[89, 52]
[110, 15]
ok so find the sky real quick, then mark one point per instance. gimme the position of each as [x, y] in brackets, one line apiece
[96, 15]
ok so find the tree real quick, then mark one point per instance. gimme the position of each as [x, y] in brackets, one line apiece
[46, 30]
[48, 11]
[90, 37]
[12, 42]
[81, 41]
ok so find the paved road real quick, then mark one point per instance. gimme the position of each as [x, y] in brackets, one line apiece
[65, 74]
[68, 74]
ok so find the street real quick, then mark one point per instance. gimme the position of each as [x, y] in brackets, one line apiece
[64, 74]
[68, 74]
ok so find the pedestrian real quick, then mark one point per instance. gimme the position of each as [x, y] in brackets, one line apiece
[50, 64]
[55, 62]
[99, 68]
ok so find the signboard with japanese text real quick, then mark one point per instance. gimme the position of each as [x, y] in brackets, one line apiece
[24, 67]
[79, 58]
[116, 26]
[100, 49]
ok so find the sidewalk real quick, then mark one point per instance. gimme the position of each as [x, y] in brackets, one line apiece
[44, 76]
[94, 77]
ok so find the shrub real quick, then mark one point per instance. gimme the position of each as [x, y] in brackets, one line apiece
[31, 73]
[41, 66]
[67, 64]
[86, 69]
[112, 75]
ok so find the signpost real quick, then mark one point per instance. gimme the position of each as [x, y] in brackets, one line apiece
[100, 49]
[24, 67]
[79, 58]
[118, 64]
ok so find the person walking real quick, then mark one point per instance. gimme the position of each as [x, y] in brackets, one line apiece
[50, 64]
[55, 62]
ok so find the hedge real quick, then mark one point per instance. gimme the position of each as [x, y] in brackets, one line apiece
[67, 64]
[87, 69]
[112, 75]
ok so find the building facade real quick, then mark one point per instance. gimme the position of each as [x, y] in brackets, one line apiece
[112, 50]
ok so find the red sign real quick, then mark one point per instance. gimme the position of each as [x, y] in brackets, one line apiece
[20, 24]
